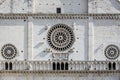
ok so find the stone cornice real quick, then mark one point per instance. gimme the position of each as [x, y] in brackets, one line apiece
[60, 16]
[61, 72]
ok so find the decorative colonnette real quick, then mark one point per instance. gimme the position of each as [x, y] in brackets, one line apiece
[72, 65]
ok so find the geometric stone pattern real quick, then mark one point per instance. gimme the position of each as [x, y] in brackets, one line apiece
[9, 51]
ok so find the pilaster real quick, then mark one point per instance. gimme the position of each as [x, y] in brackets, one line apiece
[91, 39]
[30, 38]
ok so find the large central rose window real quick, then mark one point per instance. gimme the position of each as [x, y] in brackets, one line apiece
[60, 37]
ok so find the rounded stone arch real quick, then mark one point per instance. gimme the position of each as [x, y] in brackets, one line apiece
[62, 66]
[58, 66]
[6, 66]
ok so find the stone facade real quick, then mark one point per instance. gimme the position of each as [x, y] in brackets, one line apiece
[60, 39]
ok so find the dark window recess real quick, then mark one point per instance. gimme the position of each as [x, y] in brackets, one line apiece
[109, 66]
[114, 66]
[58, 66]
[54, 66]
[10, 66]
[58, 10]
[6, 66]
[62, 66]
[66, 66]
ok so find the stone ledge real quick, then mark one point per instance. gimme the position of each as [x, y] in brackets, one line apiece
[60, 16]
[61, 72]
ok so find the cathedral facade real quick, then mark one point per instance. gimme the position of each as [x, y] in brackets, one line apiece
[59, 39]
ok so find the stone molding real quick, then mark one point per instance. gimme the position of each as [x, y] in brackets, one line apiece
[60, 16]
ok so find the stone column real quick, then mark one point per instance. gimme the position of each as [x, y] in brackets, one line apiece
[91, 39]
[86, 41]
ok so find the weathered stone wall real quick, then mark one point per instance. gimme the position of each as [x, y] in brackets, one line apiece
[104, 6]
[67, 7]
[92, 35]
[40, 36]
[56, 76]
[106, 32]
[46, 6]
[14, 32]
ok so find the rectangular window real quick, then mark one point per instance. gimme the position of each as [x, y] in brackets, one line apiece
[58, 10]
